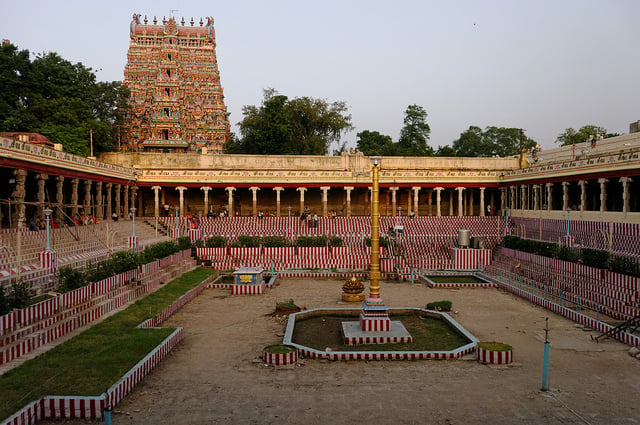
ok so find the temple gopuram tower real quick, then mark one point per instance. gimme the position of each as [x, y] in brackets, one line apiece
[177, 103]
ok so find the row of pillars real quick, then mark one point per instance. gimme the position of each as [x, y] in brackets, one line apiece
[126, 192]
[325, 190]
[537, 195]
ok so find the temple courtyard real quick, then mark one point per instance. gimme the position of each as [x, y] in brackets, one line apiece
[215, 376]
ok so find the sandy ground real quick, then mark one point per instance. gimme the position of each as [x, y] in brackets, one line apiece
[215, 377]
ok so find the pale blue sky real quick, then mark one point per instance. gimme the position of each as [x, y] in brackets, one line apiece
[538, 65]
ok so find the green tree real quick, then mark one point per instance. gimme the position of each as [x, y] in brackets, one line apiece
[61, 100]
[445, 150]
[415, 133]
[493, 141]
[373, 143]
[570, 136]
[300, 126]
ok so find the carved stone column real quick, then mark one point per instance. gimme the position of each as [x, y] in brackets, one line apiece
[460, 210]
[583, 194]
[132, 197]
[18, 195]
[42, 180]
[74, 197]
[230, 190]
[117, 198]
[278, 190]
[254, 210]
[416, 198]
[181, 190]
[438, 200]
[549, 196]
[87, 198]
[603, 194]
[109, 187]
[430, 202]
[125, 198]
[59, 199]
[394, 207]
[512, 200]
[503, 199]
[523, 197]
[206, 190]
[451, 202]
[99, 205]
[565, 195]
[482, 212]
[156, 200]
[625, 193]
[536, 198]
[324, 190]
[301, 190]
[348, 189]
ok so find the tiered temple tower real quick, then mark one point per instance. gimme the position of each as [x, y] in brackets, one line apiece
[177, 103]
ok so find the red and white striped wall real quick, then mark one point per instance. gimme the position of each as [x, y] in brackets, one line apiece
[494, 357]
[247, 289]
[375, 324]
[280, 358]
[470, 259]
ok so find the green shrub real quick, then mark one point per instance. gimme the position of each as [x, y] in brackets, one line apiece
[19, 296]
[383, 242]
[312, 240]
[199, 243]
[439, 305]
[249, 241]
[595, 258]
[625, 265]
[184, 242]
[216, 242]
[5, 307]
[274, 241]
[568, 254]
[335, 240]
[68, 279]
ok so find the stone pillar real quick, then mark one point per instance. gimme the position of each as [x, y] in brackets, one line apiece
[156, 200]
[324, 190]
[565, 195]
[409, 207]
[451, 202]
[181, 190]
[132, 203]
[348, 189]
[394, 207]
[18, 195]
[603, 194]
[438, 200]
[87, 198]
[523, 197]
[536, 198]
[278, 190]
[460, 210]
[503, 199]
[482, 214]
[583, 194]
[206, 190]
[625, 193]
[430, 202]
[74, 197]
[416, 198]
[301, 190]
[109, 187]
[125, 198]
[549, 196]
[99, 205]
[254, 209]
[59, 199]
[230, 190]
[42, 180]
[117, 198]
[512, 200]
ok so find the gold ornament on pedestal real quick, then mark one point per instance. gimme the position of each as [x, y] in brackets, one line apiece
[353, 290]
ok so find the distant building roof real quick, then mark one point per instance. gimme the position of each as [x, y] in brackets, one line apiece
[34, 138]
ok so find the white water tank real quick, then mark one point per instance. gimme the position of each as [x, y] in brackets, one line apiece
[464, 237]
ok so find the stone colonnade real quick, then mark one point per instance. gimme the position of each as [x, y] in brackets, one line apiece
[62, 195]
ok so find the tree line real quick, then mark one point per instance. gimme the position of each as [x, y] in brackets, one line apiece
[65, 102]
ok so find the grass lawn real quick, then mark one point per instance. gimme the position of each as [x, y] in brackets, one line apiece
[456, 279]
[91, 362]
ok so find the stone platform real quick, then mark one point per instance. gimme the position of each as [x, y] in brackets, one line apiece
[354, 335]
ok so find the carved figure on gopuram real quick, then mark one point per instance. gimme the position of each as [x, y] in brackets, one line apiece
[177, 101]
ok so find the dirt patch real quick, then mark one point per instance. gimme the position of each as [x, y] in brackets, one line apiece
[215, 376]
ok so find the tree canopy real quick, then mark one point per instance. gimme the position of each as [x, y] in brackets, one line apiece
[61, 100]
[493, 141]
[570, 136]
[372, 143]
[414, 136]
[283, 126]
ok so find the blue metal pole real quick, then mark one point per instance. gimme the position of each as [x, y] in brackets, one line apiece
[545, 360]
[48, 248]
[568, 222]
[177, 214]
[412, 275]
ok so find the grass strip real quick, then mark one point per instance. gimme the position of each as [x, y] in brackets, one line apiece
[97, 358]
